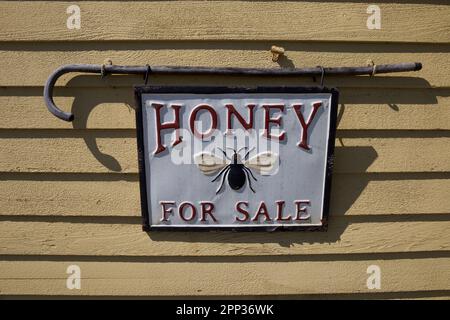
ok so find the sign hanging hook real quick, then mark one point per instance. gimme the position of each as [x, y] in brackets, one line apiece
[103, 72]
[372, 64]
[147, 72]
[322, 76]
[116, 69]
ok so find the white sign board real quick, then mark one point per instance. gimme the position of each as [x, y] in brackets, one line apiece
[234, 158]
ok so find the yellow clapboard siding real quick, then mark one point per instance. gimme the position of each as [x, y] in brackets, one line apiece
[115, 151]
[69, 192]
[233, 277]
[442, 296]
[108, 108]
[224, 20]
[87, 198]
[106, 195]
[127, 239]
[357, 194]
[39, 64]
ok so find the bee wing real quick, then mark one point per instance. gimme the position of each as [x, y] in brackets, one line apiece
[265, 163]
[209, 163]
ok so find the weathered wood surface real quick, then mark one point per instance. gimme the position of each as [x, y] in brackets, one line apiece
[104, 195]
[125, 238]
[230, 277]
[115, 151]
[69, 191]
[107, 108]
[37, 65]
[224, 20]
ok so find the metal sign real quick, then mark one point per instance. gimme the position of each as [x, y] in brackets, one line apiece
[235, 158]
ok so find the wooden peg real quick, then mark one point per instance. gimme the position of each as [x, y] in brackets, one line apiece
[276, 52]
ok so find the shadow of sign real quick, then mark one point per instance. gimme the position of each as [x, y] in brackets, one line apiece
[365, 157]
[359, 158]
[83, 106]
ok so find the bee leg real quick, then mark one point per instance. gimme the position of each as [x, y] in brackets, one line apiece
[223, 179]
[247, 169]
[225, 154]
[219, 174]
[249, 180]
[248, 153]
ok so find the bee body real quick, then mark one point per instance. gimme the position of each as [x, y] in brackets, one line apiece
[236, 176]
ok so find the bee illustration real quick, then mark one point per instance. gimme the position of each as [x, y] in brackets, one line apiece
[237, 170]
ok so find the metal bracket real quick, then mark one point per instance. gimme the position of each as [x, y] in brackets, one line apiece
[144, 70]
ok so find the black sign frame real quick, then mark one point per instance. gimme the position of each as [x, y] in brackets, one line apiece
[145, 212]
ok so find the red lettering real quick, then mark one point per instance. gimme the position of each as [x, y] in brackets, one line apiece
[242, 211]
[193, 117]
[302, 213]
[280, 206]
[166, 211]
[166, 125]
[232, 111]
[303, 143]
[268, 120]
[207, 209]
[181, 211]
[262, 210]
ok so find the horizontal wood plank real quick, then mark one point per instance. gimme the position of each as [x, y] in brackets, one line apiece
[115, 151]
[107, 195]
[87, 198]
[108, 108]
[38, 60]
[127, 239]
[223, 20]
[382, 194]
[69, 192]
[222, 278]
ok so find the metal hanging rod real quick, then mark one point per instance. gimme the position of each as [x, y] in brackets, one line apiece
[145, 70]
